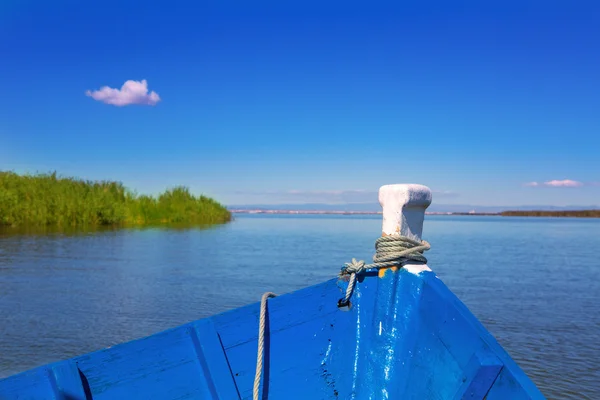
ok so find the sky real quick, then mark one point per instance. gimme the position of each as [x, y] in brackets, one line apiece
[487, 103]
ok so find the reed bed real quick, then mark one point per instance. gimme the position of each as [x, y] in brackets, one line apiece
[50, 200]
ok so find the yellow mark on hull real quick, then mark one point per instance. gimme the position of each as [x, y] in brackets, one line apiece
[382, 271]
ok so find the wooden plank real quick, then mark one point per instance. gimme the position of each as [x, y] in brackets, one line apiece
[439, 311]
[508, 387]
[434, 373]
[294, 365]
[213, 361]
[162, 366]
[463, 334]
[29, 385]
[240, 326]
[479, 376]
[303, 331]
[68, 382]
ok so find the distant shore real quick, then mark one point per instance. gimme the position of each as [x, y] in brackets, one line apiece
[244, 211]
[49, 200]
[571, 214]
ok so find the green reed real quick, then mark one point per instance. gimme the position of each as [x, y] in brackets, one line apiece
[49, 200]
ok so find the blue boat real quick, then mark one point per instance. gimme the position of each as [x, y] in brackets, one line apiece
[386, 330]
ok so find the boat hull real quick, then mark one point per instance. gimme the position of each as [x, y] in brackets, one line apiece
[405, 336]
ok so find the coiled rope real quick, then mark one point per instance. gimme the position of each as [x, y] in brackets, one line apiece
[390, 251]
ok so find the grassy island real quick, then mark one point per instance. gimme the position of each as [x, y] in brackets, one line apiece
[574, 213]
[48, 200]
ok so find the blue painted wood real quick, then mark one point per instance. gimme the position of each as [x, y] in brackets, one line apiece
[463, 334]
[405, 336]
[30, 385]
[299, 331]
[509, 386]
[214, 363]
[389, 335]
[68, 382]
[479, 376]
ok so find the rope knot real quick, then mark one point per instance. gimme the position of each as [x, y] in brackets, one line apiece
[353, 267]
[390, 251]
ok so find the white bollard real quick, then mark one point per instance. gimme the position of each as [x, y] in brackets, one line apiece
[404, 208]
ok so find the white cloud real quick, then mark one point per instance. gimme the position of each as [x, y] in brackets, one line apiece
[132, 92]
[563, 183]
[556, 183]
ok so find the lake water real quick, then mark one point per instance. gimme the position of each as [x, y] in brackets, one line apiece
[534, 283]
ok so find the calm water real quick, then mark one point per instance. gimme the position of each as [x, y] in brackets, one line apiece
[535, 283]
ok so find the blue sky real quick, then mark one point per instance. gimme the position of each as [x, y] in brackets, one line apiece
[267, 103]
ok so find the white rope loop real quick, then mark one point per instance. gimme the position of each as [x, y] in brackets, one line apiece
[261, 343]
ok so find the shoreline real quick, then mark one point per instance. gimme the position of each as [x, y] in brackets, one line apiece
[240, 211]
[552, 214]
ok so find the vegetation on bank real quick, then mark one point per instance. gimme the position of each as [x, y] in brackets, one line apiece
[575, 213]
[48, 200]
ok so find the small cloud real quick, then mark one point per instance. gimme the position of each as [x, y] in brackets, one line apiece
[563, 183]
[555, 183]
[132, 92]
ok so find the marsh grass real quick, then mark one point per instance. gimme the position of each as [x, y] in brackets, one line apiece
[49, 200]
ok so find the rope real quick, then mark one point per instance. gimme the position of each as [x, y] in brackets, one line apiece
[390, 251]
[261, 342]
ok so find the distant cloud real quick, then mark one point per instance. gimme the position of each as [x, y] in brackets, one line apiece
[556, 183]
[132, 92]
[564, 183]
